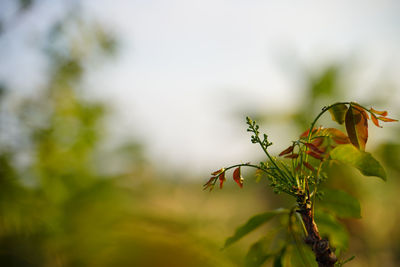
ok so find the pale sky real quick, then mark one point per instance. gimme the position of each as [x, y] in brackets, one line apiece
[185, 66]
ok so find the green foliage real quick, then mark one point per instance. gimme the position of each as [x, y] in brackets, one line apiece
[301, 180]
[361, 160]
[340, 203]
[253, 223]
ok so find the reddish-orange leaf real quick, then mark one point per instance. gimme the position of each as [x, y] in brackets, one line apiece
[286, 151]
[318, 141]
[209, 184]
[337, 135]
[312, 147]
[357, 126]
[375, 120]
[305, 134]
[238, 177]
[221, 179]
[382, 113]
[314, 155]
[292, 156]
[218, 171]
[308, 165]
[386, 119]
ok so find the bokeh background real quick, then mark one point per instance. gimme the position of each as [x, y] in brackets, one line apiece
[113, 114]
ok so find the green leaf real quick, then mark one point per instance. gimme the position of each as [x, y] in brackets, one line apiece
[328, 226]
[253, 223]
[338, 113]
[278, 259]
[257, 254]
[340, 203]
[361, 160]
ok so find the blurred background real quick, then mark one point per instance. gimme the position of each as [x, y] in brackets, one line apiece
[113, 114]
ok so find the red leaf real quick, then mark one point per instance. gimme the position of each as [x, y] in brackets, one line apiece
[305, 134]
[382, 113]
[314, 155]
[386, 119]
[308, 165]
[286, 151]
[218, 171]
[221, 179]
[238, 177]
[318, 141]
[375, 120]
[292, 156]
[357, 126]
[210, 183]
[312, 147]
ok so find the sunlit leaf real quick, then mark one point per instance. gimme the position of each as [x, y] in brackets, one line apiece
[386, 119]
[337, 135]
[318, 141]
[237, 176]
[338, 113]
[382, 113]
[342, 204]
[357, 126]
[253, 223]
[361, 160]
[287, 151]
[375, 120]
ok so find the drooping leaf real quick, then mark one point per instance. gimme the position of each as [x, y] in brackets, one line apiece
[338, 113]
[292, 156]
[210, 184]
[237, 176]
[357, 126]
[308, 166]
[221, 179]
[314, 155]
[361, 160]
[386, 119]
[218, 171]
[287, 151]
[382, 113]
[253, 223]
[375, 120]
[342, 204]
[329, 226]
[313, 147]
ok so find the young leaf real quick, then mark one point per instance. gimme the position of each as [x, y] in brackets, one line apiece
[386, 119]
[313, 147]
[314, 155]
[361, 160]
[375, 120]
[382, 113]
[221, 179]
[357, 126]
[237, 176]
[337, 135]
[308, 166]
[342, 204]
[287, 151]
[292, 156]
[253, 223]
[338, 113]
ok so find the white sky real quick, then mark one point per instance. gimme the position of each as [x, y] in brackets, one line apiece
[184, 65]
